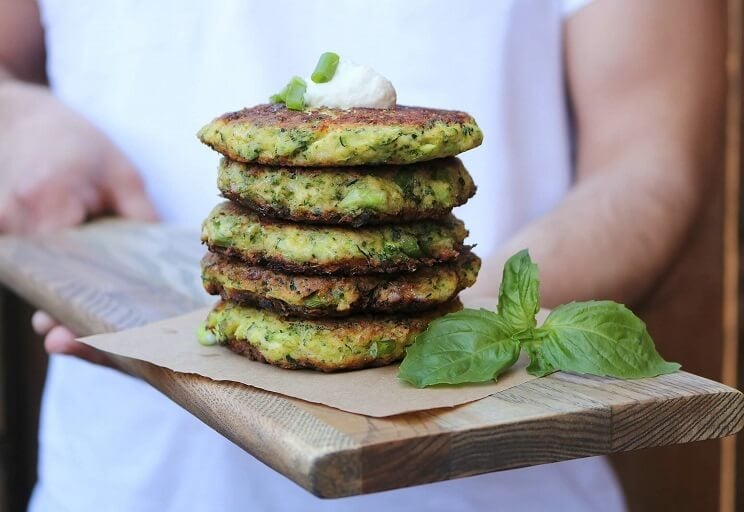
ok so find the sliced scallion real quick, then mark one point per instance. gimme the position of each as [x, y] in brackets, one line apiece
[326, 68]
[280, 97]
[295, 97]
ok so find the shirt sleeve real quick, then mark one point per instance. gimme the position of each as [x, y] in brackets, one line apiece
[570, 7]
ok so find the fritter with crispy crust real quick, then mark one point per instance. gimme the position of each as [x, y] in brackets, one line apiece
[327, 345]
[351, 195]
[274, 135]
[324, 296]
[309, 249]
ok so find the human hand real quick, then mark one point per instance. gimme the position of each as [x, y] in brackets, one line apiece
[56, 171]
[57, 168]
[59, 339]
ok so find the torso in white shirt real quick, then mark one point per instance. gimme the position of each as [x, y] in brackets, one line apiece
[149, 74]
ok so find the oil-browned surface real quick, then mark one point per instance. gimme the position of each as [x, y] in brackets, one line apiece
[323, 296]
[351, 267]
[312, 249]
[323, 118]
[273, 135]
[253, 353]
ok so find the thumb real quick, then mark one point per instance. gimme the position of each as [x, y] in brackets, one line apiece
[126, 193]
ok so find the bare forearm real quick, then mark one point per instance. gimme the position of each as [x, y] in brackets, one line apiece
[646, 85]
[613, 234]
[22, 52]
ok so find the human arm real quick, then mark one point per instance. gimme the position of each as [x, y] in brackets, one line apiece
[82, 173]
[56, 168]
[646, 81]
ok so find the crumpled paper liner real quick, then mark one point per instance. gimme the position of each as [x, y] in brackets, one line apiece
[375, 392]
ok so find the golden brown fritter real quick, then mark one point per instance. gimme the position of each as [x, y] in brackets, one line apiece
[311, 249]
[348, 195]
[327, 345]
[273, 135]
[325, 296]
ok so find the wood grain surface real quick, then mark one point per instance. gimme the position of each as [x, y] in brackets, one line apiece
[113, 275]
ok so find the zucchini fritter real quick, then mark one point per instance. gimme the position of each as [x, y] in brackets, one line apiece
[310, 249]
[272, 135]
[351, 195]
[324, 296]
[327, 345]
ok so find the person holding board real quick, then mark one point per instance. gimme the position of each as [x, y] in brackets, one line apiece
[602, 119]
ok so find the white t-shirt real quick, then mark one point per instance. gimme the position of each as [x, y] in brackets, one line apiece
[149, 74]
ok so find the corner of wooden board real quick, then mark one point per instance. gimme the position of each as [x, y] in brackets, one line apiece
[336, 474]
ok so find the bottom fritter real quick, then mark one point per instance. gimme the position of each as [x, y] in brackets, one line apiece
[327, 345]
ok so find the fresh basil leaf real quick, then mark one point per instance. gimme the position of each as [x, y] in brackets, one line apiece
[472, 345]
[599, 338]
[519, 293]
[538, 366]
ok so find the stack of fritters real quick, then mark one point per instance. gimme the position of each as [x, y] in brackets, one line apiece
[337, 246]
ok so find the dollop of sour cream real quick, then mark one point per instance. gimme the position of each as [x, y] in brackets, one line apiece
[352, 85]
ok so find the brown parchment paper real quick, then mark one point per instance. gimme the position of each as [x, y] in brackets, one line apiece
[376, 392]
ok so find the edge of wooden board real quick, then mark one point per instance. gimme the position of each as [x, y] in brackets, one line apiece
[331, 463]
[334, 454]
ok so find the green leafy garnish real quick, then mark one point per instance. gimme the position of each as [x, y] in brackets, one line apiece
[601, 338]
[293, 94]
[326, 68]
[595, 337]
[472, 345]
[519, 293]
[280, 97]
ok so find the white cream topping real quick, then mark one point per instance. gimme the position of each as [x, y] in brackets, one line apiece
[351, 86]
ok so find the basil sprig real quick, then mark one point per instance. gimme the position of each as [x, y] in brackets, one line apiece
[476, 345]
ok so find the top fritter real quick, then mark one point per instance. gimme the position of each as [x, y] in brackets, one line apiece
[273, 135]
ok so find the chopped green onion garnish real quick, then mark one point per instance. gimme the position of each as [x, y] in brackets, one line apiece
[293, 94]
[296, 80]
[280, 97]
[295, 98]
[325, 68]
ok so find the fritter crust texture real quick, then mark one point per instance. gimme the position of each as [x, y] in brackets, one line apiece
[326, 345]
[308, 249]
[353, 195]
[325, 296]
[271, 134]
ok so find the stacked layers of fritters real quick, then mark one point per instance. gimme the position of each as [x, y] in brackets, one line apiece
[338, 245]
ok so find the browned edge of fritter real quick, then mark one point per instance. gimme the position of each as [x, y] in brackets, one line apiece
[349, 267]
[364, 219]
[367, 288]
[237, 209]
[323, 119]
[244, 348]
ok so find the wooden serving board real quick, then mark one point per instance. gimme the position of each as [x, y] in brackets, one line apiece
[113, 275]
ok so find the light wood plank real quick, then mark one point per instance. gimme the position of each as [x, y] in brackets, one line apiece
[116, 275]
